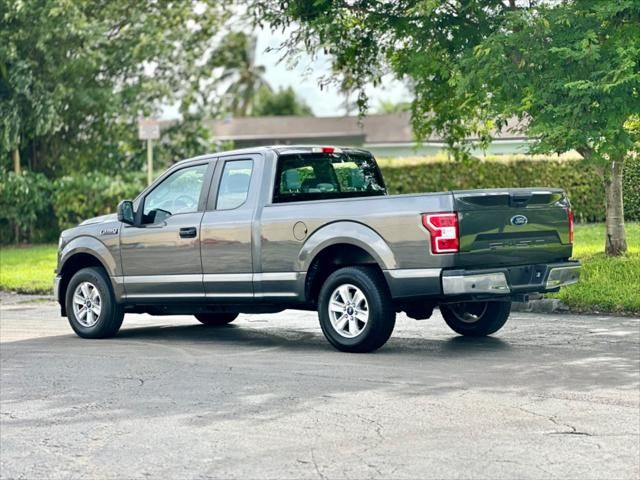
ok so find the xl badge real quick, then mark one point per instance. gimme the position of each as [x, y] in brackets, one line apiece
[519, 220]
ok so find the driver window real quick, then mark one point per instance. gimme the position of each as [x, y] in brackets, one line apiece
[178, 193]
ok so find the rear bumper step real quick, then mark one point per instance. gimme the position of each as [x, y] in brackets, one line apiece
[510, 280]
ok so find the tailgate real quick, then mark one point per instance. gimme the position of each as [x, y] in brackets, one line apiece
[513, 226]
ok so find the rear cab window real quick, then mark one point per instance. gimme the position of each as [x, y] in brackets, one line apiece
[323, 176]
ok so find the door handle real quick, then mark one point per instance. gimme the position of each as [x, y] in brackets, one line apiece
[188, 232]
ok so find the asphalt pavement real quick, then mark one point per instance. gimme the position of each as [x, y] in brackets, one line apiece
[267, 397]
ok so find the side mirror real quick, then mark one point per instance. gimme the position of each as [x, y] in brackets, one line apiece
[125, 212]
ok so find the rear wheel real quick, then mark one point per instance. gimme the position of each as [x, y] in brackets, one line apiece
[355, 309]
[91, 307]
[476, 319]
[216, 319]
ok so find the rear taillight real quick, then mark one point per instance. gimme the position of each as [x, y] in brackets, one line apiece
[570, 216]
[443, 228]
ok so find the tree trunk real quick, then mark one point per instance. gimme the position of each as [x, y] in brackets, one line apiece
[16, 160]
[616, 242]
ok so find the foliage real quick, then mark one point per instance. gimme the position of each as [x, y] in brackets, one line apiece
[284, 101]
[24, 205]
[579, 178]
[606, 284]
[568, 68]
[236, 55]
[85, 196]
[632, 189]
[75, 76]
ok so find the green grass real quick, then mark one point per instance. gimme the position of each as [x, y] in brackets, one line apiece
[27, 269]
[607, 284]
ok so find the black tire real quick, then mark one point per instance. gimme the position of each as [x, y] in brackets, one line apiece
[216, 319]
[381, 314]
[108, 321]
[476, 319]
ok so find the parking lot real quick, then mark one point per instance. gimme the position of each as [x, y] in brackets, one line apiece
[267, 397]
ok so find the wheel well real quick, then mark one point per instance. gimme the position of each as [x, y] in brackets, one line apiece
[331, 259]
[76, 262]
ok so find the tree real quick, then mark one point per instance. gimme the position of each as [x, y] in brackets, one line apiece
[75, 76]
[568, 69]
[236, 55]
[284, 101]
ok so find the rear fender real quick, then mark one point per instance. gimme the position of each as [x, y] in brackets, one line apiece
[351, 233]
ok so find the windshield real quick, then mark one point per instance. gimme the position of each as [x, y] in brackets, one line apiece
[322, 176]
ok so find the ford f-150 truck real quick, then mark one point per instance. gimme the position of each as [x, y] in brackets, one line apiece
[312, 228]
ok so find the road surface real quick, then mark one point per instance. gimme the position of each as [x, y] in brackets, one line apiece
[267, 397]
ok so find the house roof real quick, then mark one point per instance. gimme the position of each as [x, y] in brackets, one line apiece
[373, 129]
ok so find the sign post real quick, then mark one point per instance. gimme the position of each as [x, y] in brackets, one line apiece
[149, 130]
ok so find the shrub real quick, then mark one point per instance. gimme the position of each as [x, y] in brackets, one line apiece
[632, 189]
[25, 207]
[81, 197]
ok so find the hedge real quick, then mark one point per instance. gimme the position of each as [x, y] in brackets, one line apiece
[579, 179]
[37, 208]
[82, 197]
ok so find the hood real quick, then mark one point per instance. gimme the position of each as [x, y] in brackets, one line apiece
[101, 219]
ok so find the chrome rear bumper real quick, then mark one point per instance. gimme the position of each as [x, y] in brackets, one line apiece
[475, 283]
[562, 276]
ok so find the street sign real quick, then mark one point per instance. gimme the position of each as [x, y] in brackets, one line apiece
[148, 129]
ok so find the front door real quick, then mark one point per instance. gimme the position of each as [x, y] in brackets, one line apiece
[161, 256]
[227, 258]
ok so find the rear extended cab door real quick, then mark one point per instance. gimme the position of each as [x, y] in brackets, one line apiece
[227, 228]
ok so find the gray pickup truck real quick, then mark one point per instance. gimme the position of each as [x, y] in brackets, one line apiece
[312, 228]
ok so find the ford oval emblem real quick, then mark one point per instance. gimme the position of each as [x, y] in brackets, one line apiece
[519, 220]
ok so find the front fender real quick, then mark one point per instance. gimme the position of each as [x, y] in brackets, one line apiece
[88, 244]
[352, 233]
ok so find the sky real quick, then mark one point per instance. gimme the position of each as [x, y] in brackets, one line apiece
[304, 78]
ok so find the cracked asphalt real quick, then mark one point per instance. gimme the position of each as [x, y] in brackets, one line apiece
[266, 397]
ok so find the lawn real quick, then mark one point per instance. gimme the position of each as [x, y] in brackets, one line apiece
[607, 284]
[27, 269]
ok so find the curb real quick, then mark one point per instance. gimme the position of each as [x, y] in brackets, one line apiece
[543, 305]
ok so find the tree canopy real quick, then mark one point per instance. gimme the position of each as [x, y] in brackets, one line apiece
[75, 76]
[569, 70]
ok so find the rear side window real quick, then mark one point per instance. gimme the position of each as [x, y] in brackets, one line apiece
[321, 176]
[234, 184]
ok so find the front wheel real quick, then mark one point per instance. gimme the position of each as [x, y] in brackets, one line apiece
[92, 310]
[476, 319]
[355, 309]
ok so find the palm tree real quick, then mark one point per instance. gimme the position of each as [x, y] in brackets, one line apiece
[236, 54]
